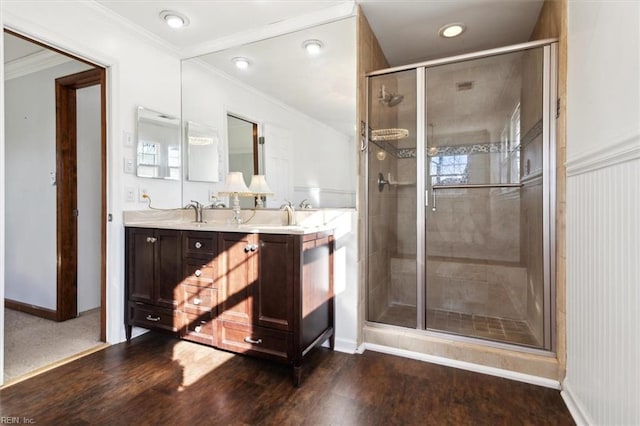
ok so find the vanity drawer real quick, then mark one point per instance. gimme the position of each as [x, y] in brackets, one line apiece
[199, 298]
[257, 341]
[197, 272]
[200, 244]
[200, 327]
[153, 317]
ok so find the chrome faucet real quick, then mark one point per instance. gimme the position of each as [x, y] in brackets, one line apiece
[217, 204]
[305, 204]
[291, 212]
[197, 208]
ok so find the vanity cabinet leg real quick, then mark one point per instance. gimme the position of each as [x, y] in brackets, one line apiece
[127, 331]
[297, 375]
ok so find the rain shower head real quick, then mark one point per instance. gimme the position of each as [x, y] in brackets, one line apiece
[389, 99]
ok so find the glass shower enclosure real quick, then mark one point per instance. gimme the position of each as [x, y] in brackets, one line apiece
[460, 196]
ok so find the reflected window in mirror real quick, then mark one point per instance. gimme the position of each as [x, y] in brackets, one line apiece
[158, 145]
[203, 153]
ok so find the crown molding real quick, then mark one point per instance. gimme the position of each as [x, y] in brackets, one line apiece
[134, 28]
[33, 63]
[257, 92]
[324, 16]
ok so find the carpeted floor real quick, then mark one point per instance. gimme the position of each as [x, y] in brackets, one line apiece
[31, 342]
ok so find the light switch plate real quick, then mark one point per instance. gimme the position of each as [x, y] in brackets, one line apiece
[129, 166]
[127, 138]
[130, 194]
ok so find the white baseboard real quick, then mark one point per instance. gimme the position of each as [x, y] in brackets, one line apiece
[463, 365]
[576, 411]
[346, 346]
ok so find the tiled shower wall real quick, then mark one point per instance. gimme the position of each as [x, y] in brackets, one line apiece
[382, 237]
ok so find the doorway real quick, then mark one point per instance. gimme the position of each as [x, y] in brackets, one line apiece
[244, 151]
[55, 150]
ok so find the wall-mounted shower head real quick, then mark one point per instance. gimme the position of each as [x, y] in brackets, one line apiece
[389, 99]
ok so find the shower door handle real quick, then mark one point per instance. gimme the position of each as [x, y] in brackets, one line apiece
[433, 199]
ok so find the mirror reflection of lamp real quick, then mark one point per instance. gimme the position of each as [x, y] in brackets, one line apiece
[235, 186]
[259, 188]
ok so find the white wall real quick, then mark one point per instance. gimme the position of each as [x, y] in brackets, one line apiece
[30, 230]
[321, 157]
[602, 384]
[139, 72]
[89, 197]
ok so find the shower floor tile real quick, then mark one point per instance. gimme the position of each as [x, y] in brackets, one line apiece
[492, 328]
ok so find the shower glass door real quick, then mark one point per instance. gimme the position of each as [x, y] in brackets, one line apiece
[391, 200]
[483, 177]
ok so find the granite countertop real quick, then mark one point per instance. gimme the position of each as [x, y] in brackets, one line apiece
[266, 222]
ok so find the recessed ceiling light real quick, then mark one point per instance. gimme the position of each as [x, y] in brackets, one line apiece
[174, 19]
[240, 62]
[452, 30]
[313, 47]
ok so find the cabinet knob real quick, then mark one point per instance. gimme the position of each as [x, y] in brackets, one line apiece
[196, 301]
[250, 247]
[197, 273]
[197, 328]
[252, 341]
[154, 319]
[198, 244]
[151, 240]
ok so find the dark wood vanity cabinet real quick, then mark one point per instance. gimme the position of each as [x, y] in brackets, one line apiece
[199, 292]
[265, 295]
[153, 264]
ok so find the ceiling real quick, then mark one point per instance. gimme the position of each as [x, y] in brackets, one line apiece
[407, 31]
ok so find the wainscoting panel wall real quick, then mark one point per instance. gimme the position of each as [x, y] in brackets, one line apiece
[603, 285]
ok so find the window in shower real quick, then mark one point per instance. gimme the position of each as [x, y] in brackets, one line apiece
[449, 169]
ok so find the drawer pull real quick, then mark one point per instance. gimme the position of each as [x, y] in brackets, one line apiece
[197, 273]
[253, 342]
[197, 328]
[196, 301]
[198, 244]
[250, 247]
[151, 240]
[154, 319]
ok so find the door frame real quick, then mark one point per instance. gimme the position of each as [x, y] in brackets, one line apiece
[66, 189]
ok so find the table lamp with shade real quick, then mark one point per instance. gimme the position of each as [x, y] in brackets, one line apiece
[259, 187]
[235, 186]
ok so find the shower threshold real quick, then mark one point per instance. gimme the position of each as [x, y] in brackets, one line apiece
[503, 330]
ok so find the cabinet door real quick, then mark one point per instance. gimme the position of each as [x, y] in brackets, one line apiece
[278, 267]
[236, 274]
[168, 268]
[140, 263]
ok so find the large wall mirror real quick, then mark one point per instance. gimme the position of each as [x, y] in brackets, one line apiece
[303, 106]
[158, 149]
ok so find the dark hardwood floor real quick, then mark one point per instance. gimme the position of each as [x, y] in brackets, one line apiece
[155, 379]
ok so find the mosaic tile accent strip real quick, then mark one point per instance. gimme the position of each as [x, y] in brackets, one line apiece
[477, 148]
[406, 153]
